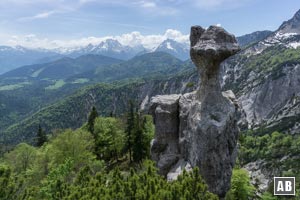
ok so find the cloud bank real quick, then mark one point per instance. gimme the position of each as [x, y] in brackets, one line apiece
[130, 39]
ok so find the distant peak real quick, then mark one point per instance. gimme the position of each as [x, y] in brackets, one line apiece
[112, 41]
[292, 25]
[169, 40]
[297, 15]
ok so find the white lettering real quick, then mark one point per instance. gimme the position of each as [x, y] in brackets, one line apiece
[288, 186]
[280, 186]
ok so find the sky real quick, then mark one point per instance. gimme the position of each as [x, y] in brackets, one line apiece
[69, 23]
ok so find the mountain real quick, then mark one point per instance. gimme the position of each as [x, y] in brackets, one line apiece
[13, 57]
[179, 50]
[25, 90]
[292, 25]
[149, 64]
[62, 68]
[265, 77]
[30, 94]
[251, 38]
[110, 47]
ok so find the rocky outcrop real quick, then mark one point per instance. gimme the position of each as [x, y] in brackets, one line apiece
[260, 175]
[200, 128]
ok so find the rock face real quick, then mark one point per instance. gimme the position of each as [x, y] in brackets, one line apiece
[200, 128]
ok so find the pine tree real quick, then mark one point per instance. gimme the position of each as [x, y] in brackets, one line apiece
[130, 129]
[139, 150]
[41, 137]
[91, 120]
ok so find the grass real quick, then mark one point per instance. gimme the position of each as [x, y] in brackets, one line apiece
[37, 72]
[81, 80]
[58, 84]
[13, 86]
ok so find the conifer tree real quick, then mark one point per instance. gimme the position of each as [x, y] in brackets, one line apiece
[139, 150]
[130, 129]
[41, 137]
[91, 120]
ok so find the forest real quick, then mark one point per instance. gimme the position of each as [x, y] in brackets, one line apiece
[109, 158]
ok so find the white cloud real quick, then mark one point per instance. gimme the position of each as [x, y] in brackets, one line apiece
[38, 16]
[8, 3]
[131, 39]
[151, 41]
[147, 4]
[218, 4]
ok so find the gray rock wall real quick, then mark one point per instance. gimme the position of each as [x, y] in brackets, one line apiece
[200, 128]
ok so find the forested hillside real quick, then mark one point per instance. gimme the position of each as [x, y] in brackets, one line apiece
[71, 112]
[28, 89]
[105, 158]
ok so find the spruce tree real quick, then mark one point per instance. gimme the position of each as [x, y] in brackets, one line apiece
[139, 150]
[91, 120]
[130, 129]
[41, 137]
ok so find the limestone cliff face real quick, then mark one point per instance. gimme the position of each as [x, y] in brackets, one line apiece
[200, 128]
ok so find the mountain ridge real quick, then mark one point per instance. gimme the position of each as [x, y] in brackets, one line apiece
[109, 47]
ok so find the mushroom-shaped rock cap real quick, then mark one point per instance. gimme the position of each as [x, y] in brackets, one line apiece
[213, 44]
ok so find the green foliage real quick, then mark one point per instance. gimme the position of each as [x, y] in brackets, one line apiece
[279, 151]
[41, 137]
[21, 158]
[271, 148]
[13, 86]
[75, 145]
[58, 84]
[91, 120]
[146, 184]
[130, 129]
[190, 84]
[144, 133]
[268, 196]
[7, 185]
[241, 188]
[53, 186]
[23, 110]
[109, 138]
[150, 64]
[269, 64]
[66, 168]
[273, 58]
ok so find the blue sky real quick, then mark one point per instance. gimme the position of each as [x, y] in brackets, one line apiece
[61, 20]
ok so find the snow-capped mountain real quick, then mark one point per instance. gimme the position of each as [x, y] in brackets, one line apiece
[110, 47]
[179, 50]
[287, 35]
[13, 57]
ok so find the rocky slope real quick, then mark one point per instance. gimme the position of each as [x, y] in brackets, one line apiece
[265, 78]
[248, 39]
